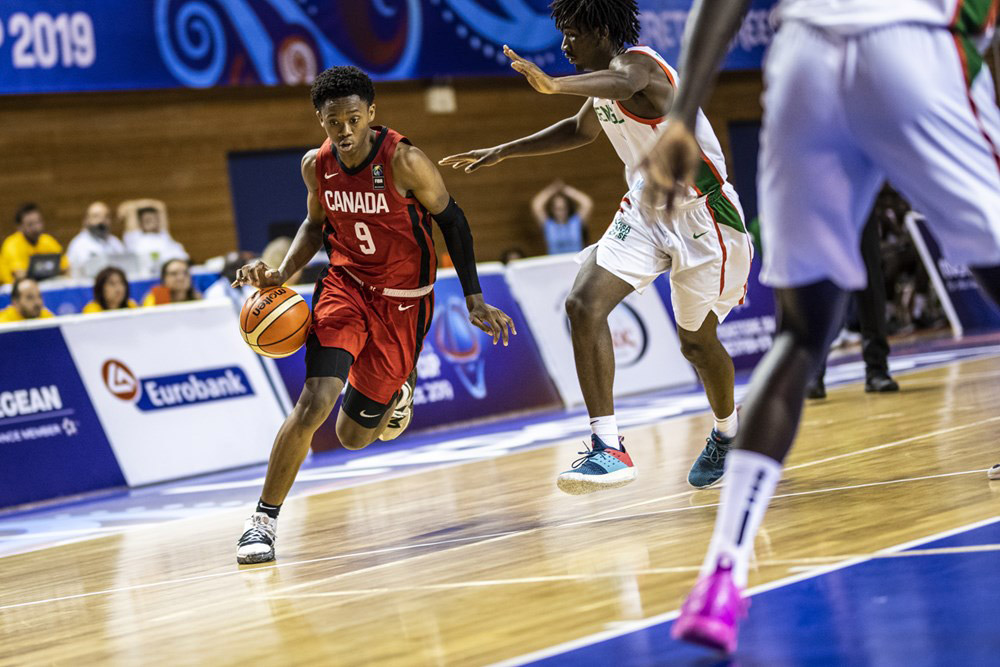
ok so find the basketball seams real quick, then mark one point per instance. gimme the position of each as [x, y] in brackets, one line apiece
[305, 322]
[277, 311]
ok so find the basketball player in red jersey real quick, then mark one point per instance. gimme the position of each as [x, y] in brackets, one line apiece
[371, 198]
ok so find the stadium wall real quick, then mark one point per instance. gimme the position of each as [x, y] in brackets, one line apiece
[64, 151]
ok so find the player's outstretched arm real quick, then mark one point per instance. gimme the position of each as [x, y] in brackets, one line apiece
[413, 171]
[627, 75]
[306, 243]
[671, 162]
[565, 135]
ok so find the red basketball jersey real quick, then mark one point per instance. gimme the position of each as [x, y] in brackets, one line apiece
[380, 236]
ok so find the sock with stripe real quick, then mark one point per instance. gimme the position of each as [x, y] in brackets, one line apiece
[605, 428]
[750, 481]
[727, 427]
[270, 510]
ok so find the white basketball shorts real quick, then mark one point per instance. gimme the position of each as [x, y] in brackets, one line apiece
[708, 261]
[841, 115]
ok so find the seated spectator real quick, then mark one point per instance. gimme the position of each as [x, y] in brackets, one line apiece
[562, 212]
[25, 303]
[110, 292]
[175, 285]
[29, 239]
[147, 233]
[89, 249]
[223, 287]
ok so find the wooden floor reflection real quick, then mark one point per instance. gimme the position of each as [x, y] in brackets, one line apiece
[475, 563]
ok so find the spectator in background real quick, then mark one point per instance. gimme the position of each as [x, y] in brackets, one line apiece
[29, 239]
[94, 243]
[175, 285]
[510, 254]
[25, 303]
[223, 287]
[110, 292]
[562, 212]
[147, 233]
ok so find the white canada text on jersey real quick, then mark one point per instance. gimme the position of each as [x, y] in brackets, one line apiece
[339, 201]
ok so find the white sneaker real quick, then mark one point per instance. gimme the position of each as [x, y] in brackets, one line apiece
[994, 472]
[403, 413]
[257, 543]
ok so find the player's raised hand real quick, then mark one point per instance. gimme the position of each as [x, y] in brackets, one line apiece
[538, 79]
[669, 167]
[492, 320]
[473, 160]
[258, 274]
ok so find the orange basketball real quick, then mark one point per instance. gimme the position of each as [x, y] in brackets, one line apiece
[275, 321]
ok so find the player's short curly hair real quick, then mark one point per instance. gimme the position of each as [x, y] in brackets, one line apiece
[619, 17]
[342, 81]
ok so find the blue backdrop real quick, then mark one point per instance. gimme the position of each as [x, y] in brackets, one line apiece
[75, 45]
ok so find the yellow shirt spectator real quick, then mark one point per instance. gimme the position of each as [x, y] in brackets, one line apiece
[94, 307]
[10, 314]
[17, 251]
[5, 274]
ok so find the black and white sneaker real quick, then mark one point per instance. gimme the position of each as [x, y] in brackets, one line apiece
[403, 413]
[257, 543]
[994, 472]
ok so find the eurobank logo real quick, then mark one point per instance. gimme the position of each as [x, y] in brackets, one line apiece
[174, 391]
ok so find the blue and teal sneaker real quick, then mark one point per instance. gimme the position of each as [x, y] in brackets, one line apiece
[711, 463]
[600, 467]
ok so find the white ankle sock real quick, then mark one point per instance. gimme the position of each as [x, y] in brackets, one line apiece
[605, 428]
[727, 427]
[750, 481]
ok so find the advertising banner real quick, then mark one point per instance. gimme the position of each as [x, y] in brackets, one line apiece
[966, 306]
[647, 352]
[177, 389]
[461, 375]
[51, 441]
[79, 45]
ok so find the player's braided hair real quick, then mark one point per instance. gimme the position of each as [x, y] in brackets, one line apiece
[342, 81]
[619, 17]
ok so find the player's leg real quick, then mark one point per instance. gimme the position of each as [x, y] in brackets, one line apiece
[326, 372]
[379, 398]
[711, 265]
[871, 313]
[594, 295]
[816, 188]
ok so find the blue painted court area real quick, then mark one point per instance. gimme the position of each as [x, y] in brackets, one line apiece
[930, 604]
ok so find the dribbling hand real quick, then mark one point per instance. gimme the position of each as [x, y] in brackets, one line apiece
[258, 274]
[473, 160]
[492, 320]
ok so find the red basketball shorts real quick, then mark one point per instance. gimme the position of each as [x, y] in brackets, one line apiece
[383, 334]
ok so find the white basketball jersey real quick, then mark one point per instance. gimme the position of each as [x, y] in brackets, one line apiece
[633, 136]
[968, 17]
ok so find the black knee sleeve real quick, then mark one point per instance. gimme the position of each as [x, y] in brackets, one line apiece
[327, 361]
[366, 411]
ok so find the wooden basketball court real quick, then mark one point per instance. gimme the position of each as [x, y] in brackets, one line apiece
[483, 562]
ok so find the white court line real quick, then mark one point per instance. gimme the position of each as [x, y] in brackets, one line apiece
[462, 542]
[975, 354]
[630, 627]
[795, 564]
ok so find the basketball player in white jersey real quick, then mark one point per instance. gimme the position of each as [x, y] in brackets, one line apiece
[703, 244]
[855, 91]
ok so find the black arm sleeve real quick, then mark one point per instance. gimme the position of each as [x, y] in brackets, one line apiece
[458, 239]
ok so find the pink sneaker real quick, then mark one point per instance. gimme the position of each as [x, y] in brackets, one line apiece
[712, 612]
